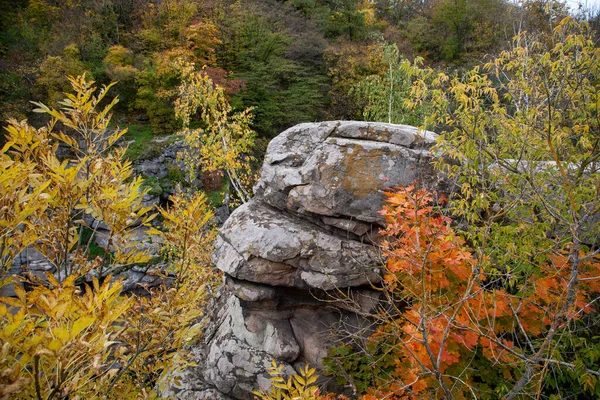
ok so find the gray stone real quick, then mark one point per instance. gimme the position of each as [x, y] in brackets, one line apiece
[249, 291]
[263, 245]
[242, 348]
[349, 225]
[340, 169]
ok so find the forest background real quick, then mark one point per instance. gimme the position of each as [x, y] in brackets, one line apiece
[293, 61]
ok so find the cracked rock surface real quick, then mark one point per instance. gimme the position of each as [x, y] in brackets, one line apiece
[339, 168]
[308, 236]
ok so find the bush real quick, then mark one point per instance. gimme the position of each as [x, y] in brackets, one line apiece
[67, 336]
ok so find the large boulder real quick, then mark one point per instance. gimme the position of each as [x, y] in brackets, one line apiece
[301, 260]
[338, 169]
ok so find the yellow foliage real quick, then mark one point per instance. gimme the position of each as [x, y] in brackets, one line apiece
[119, 63]
[226, 139]
[23, 195]
[186, 236]
[54, 69]
[96, 182]
[64, 339]
[297, 387]
[59, 341]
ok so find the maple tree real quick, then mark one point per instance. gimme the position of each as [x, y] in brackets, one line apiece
[523, 132]
[449, 310]
[501, 300]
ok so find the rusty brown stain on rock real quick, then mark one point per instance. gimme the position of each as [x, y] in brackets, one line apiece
[358, 171]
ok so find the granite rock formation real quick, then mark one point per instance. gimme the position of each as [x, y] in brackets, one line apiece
[309, 235]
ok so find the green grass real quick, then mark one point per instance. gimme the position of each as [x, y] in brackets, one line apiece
[153, 184]
[143, 147]
[215, 197]
[94, 250]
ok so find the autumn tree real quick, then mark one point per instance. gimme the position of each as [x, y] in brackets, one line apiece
[61, 340]
[73, 334]
[95, 182]
[501, 300]
[528, 177]
[455, 328]
[171, 33]
[55, 69]
[119, 66]
[224, 140]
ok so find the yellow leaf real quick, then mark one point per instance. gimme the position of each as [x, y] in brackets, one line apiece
[61, 333]
[54, 345]
[20, 292]
[300, 380]
[81, 324]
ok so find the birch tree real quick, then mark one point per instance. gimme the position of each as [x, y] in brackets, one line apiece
[224, 139]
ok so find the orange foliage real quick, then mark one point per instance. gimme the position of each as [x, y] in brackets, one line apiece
[450, 306]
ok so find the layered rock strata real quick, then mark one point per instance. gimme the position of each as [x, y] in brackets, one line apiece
[300, 259]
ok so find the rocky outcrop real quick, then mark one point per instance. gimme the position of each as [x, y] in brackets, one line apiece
[161, 168]
[300, 260]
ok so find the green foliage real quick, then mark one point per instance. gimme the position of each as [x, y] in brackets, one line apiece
[504, 303]
[584, 349]
[535, 131]
[216, 197]
[468, 27]
[283, 90]
[386, 96]
[276, 42]
[170, 32]
[165, 24]
[357, 368]
[282, 93]
[175, 174]
[156, 83]
[346, 20]
[153, 186]
[175, 180]
[348, 64]
[142, 136]
[13, 89]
